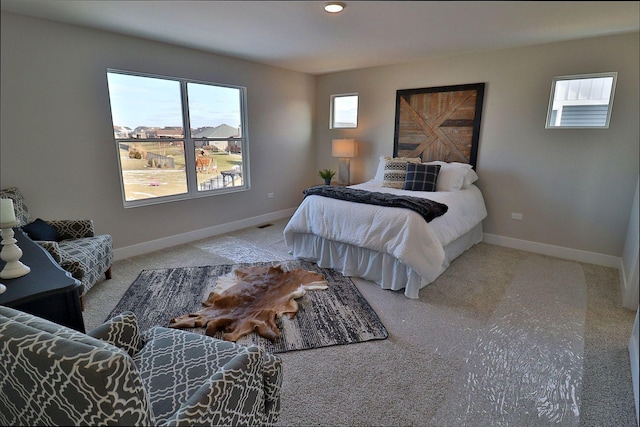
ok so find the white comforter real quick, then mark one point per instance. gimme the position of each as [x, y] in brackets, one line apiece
[399, 232]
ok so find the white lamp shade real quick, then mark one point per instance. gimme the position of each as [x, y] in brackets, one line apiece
[7, 214]
[343, 148]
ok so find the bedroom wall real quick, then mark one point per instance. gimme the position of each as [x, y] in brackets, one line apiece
[574, 187]
[629, 263]
[57, 140]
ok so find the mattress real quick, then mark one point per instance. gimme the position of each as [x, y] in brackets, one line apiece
[393, 247]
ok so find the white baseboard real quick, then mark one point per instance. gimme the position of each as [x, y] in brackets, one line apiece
[555, 251]
[191, 236]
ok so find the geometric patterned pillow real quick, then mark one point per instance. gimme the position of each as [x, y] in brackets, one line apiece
[120, 331]
[421, 177]
[395, 170]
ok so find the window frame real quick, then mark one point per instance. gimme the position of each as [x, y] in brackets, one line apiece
[188, 141]
[551, 112]
[332, 110]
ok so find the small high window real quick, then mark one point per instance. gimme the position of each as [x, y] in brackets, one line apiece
[344, 111]
[581, 101]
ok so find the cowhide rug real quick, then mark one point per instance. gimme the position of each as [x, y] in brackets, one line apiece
[250, 299]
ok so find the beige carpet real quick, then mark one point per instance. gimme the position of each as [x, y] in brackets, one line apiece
[503, 337]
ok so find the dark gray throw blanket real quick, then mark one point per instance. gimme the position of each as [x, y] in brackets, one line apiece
[427, 208]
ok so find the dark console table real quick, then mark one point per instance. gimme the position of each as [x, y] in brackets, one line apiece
[47, 290]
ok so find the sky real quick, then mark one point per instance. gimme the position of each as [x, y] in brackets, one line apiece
[148, 101]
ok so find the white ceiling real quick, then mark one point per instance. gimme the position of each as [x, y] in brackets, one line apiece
[300, 36]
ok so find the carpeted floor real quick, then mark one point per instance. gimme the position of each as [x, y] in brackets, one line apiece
[503, 337]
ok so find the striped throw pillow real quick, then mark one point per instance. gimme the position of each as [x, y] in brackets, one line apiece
[395, 170]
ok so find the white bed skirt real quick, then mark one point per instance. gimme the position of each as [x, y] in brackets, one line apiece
[380, 268]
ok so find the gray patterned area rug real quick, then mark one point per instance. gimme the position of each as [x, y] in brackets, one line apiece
[336, 316]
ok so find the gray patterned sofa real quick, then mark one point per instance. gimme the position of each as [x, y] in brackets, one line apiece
[75, 247]
[116, 375]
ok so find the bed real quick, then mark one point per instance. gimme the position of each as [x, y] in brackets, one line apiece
[393, 247]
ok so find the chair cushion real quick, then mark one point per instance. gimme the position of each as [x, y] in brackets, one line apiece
[42, 230]
[86, 259]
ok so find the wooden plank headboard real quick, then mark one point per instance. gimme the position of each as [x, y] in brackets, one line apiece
[439, 123]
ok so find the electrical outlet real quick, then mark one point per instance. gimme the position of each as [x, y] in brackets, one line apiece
[269, 195]
[517, 216]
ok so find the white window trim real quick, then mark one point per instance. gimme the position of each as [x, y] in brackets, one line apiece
[189, 147]
[556, 79]
[332, 112]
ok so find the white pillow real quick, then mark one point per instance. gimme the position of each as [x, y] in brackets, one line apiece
[453, 176]
[380, 171]
[470, 178]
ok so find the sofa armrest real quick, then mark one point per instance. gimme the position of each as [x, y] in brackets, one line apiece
[272, 386]
[73, 228]
[71, 266]
[53, 248]
[219, 380]
[121, 331]
[232, 396]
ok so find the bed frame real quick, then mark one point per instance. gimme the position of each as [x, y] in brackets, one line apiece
[439, 123]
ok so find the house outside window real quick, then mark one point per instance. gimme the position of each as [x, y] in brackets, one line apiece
[581, 101]
[177, 138]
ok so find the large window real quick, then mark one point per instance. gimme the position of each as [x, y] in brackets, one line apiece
[177, 138]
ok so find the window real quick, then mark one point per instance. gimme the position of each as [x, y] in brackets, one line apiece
[344, 111]
[160, 161]
[581, 101]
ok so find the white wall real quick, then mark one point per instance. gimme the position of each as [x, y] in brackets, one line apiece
[633, 359]
[629, 263]
[573, 186]
[57, 140]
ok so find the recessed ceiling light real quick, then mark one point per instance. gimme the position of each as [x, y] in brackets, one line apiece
[334, 7]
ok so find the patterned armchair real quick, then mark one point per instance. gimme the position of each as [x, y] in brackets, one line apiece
[115, 375]
[76, 248]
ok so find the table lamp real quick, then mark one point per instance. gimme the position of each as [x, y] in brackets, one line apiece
[343, 149]
[10, 253]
